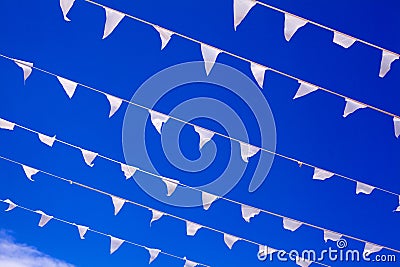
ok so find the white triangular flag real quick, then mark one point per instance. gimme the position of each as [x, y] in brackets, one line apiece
[115, 244]
[205, 136]
[6, 125]
[118, 204]
[88, 156]
[207, 199]
[386, 62]
[247, 151]
[258, 72]
[265, 250]
[171, 185]
[158, 119]
[189, 263]
[44, 218]
[351, 106]
[192, 228]
[25, 66]
[230, 240]
[82, 230]
[290, 224]
[65, 7]
[249, 212]
[153, 254]
[165, 36]
[11, 205]
[155, 215]
[210, 54]
[398, 208]
[343, 40]
[47, 139]
[305, 89]
[29, 172]
[113, 18]
[129, 171]
[364, 188]
[69, 86]
[328, 235]
[303, 262]
[115, 103]
[371, 248]
[240, 10]
[320, 174]
[396, 122]
[292, 24]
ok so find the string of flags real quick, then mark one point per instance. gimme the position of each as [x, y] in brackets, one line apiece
[292, 23]
[115, 243]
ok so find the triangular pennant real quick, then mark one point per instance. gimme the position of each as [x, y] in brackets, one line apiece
[155, 215]
[165, 36]
[265, 250]
[258, 73]
[386, 62]
[291, 225]
[158, 119]
[88, 156]
[207, 199]
[343, 40]
[118, 204]
[82, 230]
[328, 235]
[6, 125]
[113, 18]
[398, 208]
[303, 262]
[171, 185]
[129, 171]
[192, 228]
[11, 205]
[292, 24]
[364, 188]
[320, 174]
[25, 66]
[249, 212]
[189, 263]
[69, 86]
[205, 136]
[44, 218]
[29, 172]
[115, 103]
[210, 54]
[230, 240]
[396, 122]
[47, 139]
[351, 106]
[240, 10]
[65, 7]
[371, 248]
[247, 151]
[115, 244]
[153, 254]
[305, 89]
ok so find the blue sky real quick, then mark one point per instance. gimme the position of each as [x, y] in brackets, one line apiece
[312, 129]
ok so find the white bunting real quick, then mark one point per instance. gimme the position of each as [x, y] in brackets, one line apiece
[65, 7]
[210, 54]
[88, 156]
[230, 240]
[320, 174]
[343, 40]
[115, 103]
[115, 244]
[25, 66]
[118, 204]
[247, 151]
[364, 188]
[292, 24]
[11, 205]
[265, 250]
[396, 122]
[47, 139]
[113, 18]
[205, 136]
[291, 225]
[386, 62]
[398, 208]
[207, 199]
[158, 119]
[192, 228]
[328, 235]
[69, 86]
[371, 248]
[189, 263]
[82, 230]
[129, 171]
[165, 36]
[249, 212]
[302, 262]
[153, 254]
[259, 73]
[171, 185]
[240, 10]
[44, 218]
[6, 125]
[155, 215]
[304, 89]
[351, 106]
[29, 172]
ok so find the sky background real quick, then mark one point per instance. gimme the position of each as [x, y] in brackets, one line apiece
[361, 146]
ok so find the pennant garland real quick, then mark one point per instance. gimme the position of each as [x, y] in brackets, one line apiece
[292, 24]
[207, 199]
[396, 122]
[69, 86]
[115, 244]
[153, 254]
[386, 62]
[302, 262]
[88, 156]
[66, 5]
[118, 204]
[364, 188]
[11, 205]
[230, 240]
[249, 212]
[398, 208]
[247, 151]
[155, 215]
[44, 218]
[129, 171]
[29, 172]
[25, 66]
[113, 18]
[165, 36]
[192, 228]
[158, 119]
[189, 263]
[210, 55]
[240, 10]
[82, 230]
[343, 40]
[205, 136]
[371, 248]
[258, 73]
[115, 103]
[47, 139]
[351, 106]
[6, 125]
[320, 174]
[305, 89]
[291, 225]
[171, 185]
[328, 235]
